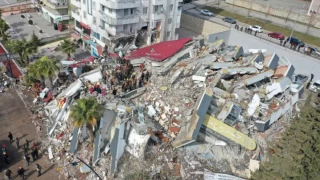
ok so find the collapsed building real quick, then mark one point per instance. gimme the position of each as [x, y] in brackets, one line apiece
[199, 92]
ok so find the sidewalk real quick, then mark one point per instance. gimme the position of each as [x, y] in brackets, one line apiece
[15, 119]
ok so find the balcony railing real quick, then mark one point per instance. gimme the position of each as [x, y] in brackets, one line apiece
[121, 4]
[76, 3]
[55, 4]
[120, 20]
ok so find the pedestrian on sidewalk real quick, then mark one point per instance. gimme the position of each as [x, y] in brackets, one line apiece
[8, 174]
[6, 157]
[4, 148]
[25, 149]
[27, 144]
[17, 142]
[10, 137]
[38, 169]
[33, 155]
[21, 172]
[27, 158]
[36, 153]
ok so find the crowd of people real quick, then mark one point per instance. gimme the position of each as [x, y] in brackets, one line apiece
[33, 151]
[123, 78]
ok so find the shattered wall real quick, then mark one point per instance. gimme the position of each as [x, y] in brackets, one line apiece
[200, 26]
[306, 64]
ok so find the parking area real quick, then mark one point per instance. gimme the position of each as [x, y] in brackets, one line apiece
[21, 29]
[10, 2]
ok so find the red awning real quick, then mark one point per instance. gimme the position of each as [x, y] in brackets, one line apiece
[159, 51]
[87, 60]
[114, 55]
[84, 25]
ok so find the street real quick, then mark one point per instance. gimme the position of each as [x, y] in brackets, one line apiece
[14, 118]
[191, 9]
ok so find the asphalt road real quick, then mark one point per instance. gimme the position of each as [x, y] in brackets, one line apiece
[218, 19]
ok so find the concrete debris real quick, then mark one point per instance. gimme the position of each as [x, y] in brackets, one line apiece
[158, 114]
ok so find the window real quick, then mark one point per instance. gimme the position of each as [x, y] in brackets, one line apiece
[94, 20]
[110, 10]
[104, 40]
[168, 34]
[145, 10]
[126, 12]
[84, 14]
[131, 28]
[102, 24]
[158, 8]
[169, 20]
[131, 11]
[96, 35]
[171, 7]
[84, 1]
[93, 5]
[125, 27]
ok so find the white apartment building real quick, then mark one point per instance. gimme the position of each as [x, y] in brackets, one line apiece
[99, 22]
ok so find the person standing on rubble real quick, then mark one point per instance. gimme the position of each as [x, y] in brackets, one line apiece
[6, 157]
[4, 148]
[25, 149]
[140, 82]
[27, 144]
[147, 75]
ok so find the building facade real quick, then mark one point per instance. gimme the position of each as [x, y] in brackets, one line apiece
[55, 11]
[100, 22]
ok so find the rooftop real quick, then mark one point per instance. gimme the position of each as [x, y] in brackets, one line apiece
[159, 51]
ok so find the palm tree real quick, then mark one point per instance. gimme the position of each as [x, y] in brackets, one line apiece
[35, 70]
[23, 48]
[49, 67]
[86, 111]
[68, 47]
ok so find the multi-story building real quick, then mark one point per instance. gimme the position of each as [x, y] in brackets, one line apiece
[100, 22]
[55, 11]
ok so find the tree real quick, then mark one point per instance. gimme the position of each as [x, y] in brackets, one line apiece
[23, 48]
[4, 27]
[35, 70]
[296, 154]
[49, 67]
[86, 111]
[34, 39]
[44, 68]
[68, 47]
[0, 13]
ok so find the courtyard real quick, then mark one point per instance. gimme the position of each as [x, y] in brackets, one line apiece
[21, 29]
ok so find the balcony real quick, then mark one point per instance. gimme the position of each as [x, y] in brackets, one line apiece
[57, 4]
[76, 15]
[120, 4]
[119, 20]
[76, 3]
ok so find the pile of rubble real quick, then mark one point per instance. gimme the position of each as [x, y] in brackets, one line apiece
[206, 108]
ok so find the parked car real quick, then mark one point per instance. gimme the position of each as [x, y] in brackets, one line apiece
[206, 12]
[186, 1]
[300, 78]
[256, 28]
[316, 51]
[295, 41]
[315, 86]
[229, 20]
[276, 35]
